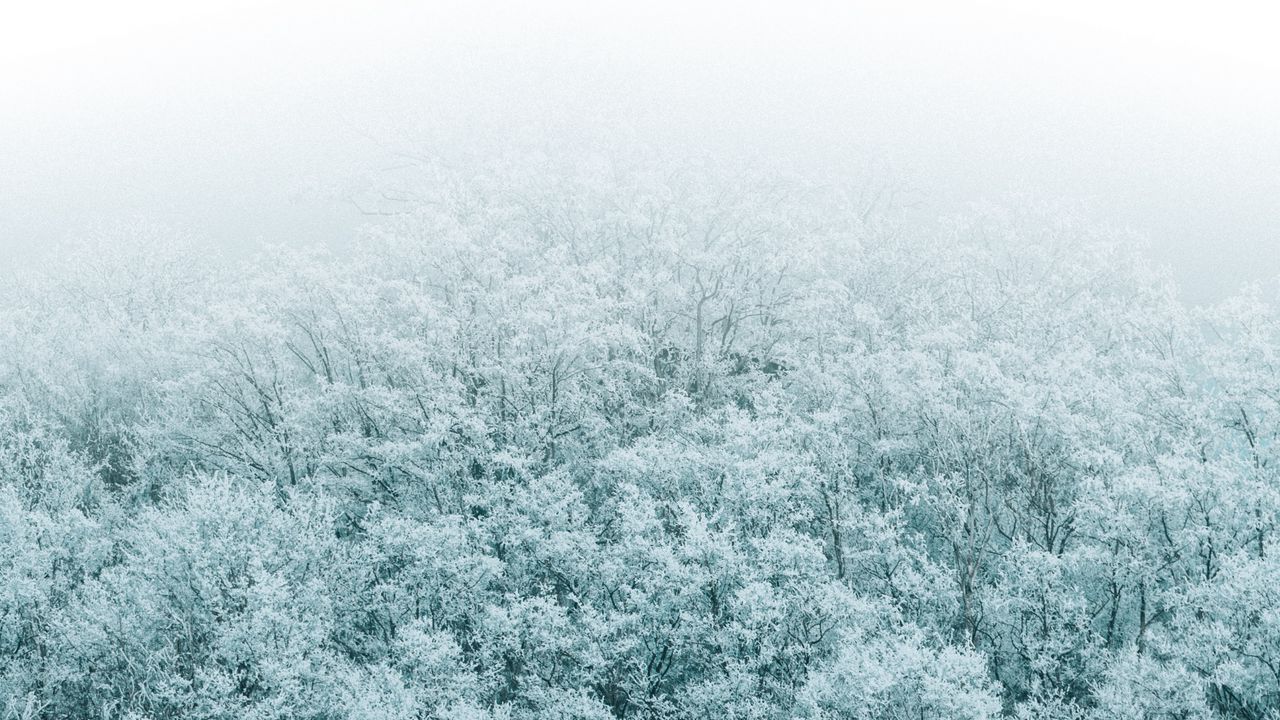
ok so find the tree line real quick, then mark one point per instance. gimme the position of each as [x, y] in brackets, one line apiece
[638, 442]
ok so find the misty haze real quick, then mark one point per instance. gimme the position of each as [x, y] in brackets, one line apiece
[561, 361]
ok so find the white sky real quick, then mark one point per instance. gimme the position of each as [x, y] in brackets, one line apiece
[216, 116]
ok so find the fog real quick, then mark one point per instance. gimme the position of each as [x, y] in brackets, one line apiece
[250, 123]
[657, 361]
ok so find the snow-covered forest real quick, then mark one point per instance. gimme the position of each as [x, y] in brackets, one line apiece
[639, 360]
[637, 439]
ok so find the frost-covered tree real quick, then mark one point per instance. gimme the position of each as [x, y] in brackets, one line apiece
[567, 438]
